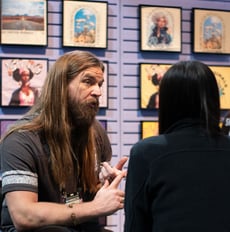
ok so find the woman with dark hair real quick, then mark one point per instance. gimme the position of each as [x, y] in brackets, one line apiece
[179, 181]
[25, 95]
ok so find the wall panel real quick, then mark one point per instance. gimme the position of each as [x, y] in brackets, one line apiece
[123, 55]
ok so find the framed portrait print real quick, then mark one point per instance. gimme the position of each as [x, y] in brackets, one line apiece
[103, 123]
[150, 77]
[211, 31]
[160, 28]
[24, 22]
[22, 80]
[149, 128]
[85, 24]
[223, 81]
[103, 99]
[5, 125]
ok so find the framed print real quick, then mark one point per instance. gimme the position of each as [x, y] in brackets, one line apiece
[103, 123]
[225, 123]
[24, 22]
[160, 28]
[149, 128]
[223, 81]
[5, 125]
[103, 99]
[150, 77]
[211, 31]
[22, 80]
[85, 24]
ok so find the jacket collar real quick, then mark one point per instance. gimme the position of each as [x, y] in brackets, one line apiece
[185, 123]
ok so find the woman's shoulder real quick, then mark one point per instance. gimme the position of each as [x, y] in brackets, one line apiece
[149, 144]
[153, 140]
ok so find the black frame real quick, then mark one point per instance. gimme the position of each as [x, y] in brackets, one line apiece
[103, 123]
[32, 29]
[9, 86]
[221, 73]
[96, 36]
[211, 31]
[170, 40]
[151, 125]
[4, 125]
[150, 75]
[103, 99]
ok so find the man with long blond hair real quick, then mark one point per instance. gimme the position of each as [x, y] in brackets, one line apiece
[51, 159]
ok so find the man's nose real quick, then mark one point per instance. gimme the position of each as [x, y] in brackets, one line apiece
[97, 90]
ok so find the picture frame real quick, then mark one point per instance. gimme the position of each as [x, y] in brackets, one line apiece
[150, 76]
[22, 80]
[221, 73]
[103, 99]
[168, 21]
[85, 24]
[211, 31]
[22, 26]
[103, 123]
[149, 128]
[5, 124]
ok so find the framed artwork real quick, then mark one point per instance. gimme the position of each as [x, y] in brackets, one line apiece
[223, 81]
[5, 125]
[103, 99]
[160, 28]
[22, 80]
[24, 22]
[150, 77]
[225, 123]
[211, 31]
[85, 24]
[148, 129]
[103, 123]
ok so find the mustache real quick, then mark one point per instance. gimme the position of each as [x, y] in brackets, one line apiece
[91, 106]
[94, 102]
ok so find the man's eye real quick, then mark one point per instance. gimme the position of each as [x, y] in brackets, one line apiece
[87, 81]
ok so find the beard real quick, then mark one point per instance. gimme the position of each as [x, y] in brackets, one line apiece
[83, 114]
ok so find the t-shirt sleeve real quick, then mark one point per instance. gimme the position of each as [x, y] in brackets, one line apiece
[18, 162]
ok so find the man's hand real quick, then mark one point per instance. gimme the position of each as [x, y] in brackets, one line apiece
[109, 173]
[110, 198]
